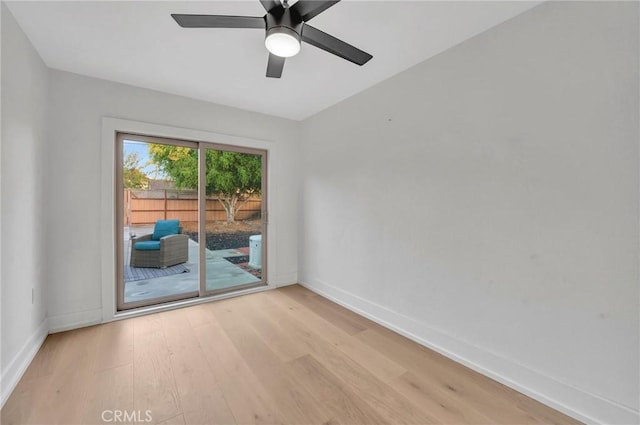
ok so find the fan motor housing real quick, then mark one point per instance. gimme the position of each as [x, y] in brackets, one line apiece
[284, 22]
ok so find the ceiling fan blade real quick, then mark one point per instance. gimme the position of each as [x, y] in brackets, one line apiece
[307, 9]
[329, 43]
[275, 66]
[270, 4]
[218, 21]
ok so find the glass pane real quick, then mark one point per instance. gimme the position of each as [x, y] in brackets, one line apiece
[160, 222]
[234, 249]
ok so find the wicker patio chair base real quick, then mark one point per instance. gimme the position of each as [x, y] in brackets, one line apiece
[174, 249]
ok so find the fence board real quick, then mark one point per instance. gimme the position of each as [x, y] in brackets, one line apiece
[149, 207]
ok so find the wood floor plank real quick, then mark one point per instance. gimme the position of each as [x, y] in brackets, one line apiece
[379, 396]
[543, 414]
[198, 315]
[294, 402]
[178, 331]
[61, 397]
[447, 377]
[249, 401]
[339, 316]
[436, 402]
[47, 357]
[378, 364]
[200, 396]
[115, 345]
[208, 417]
[146, 324]
[343, 403]
[462, 385]
[253, 309]
[110, 390]
[286, 356]
[20, 406]
[176, 420]
[154, 383]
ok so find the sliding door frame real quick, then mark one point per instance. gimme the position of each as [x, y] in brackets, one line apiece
[201, 147]
[202, 189]
[119, 204]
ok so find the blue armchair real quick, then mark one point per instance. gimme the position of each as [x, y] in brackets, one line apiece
[165, 247]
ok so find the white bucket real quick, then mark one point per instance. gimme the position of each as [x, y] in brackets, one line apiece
[255, 251]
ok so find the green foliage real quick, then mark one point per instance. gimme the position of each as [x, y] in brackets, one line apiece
[177, 162]
[132, 174]
[231, 176]
[233, 172]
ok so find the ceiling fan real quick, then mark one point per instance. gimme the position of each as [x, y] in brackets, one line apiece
[286, 26]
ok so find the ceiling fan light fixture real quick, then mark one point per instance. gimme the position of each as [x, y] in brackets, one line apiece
[282, 41]
[286, 28]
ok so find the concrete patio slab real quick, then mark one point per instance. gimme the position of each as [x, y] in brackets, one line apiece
[220, 274]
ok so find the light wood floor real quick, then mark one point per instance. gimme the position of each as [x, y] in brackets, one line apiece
[284, 356]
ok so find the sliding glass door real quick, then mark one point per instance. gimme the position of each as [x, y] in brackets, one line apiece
[233, 199]
[190, 219]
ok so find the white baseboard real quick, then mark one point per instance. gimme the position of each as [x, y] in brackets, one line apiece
[65, 322]
[584, 406]
[21, 361]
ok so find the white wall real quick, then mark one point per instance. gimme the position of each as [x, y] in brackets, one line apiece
[73, 185]
[486, 203]
[24, 97]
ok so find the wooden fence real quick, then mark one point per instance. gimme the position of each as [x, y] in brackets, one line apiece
[146, 207]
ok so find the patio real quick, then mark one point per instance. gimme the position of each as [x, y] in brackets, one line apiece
[220, 273]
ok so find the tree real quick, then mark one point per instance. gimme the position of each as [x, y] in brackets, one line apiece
[232, 177]
[133, 176]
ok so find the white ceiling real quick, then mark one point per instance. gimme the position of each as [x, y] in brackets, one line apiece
[138, 43]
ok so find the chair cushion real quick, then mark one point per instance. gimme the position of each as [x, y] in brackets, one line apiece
[147, 246]
[164, 228]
